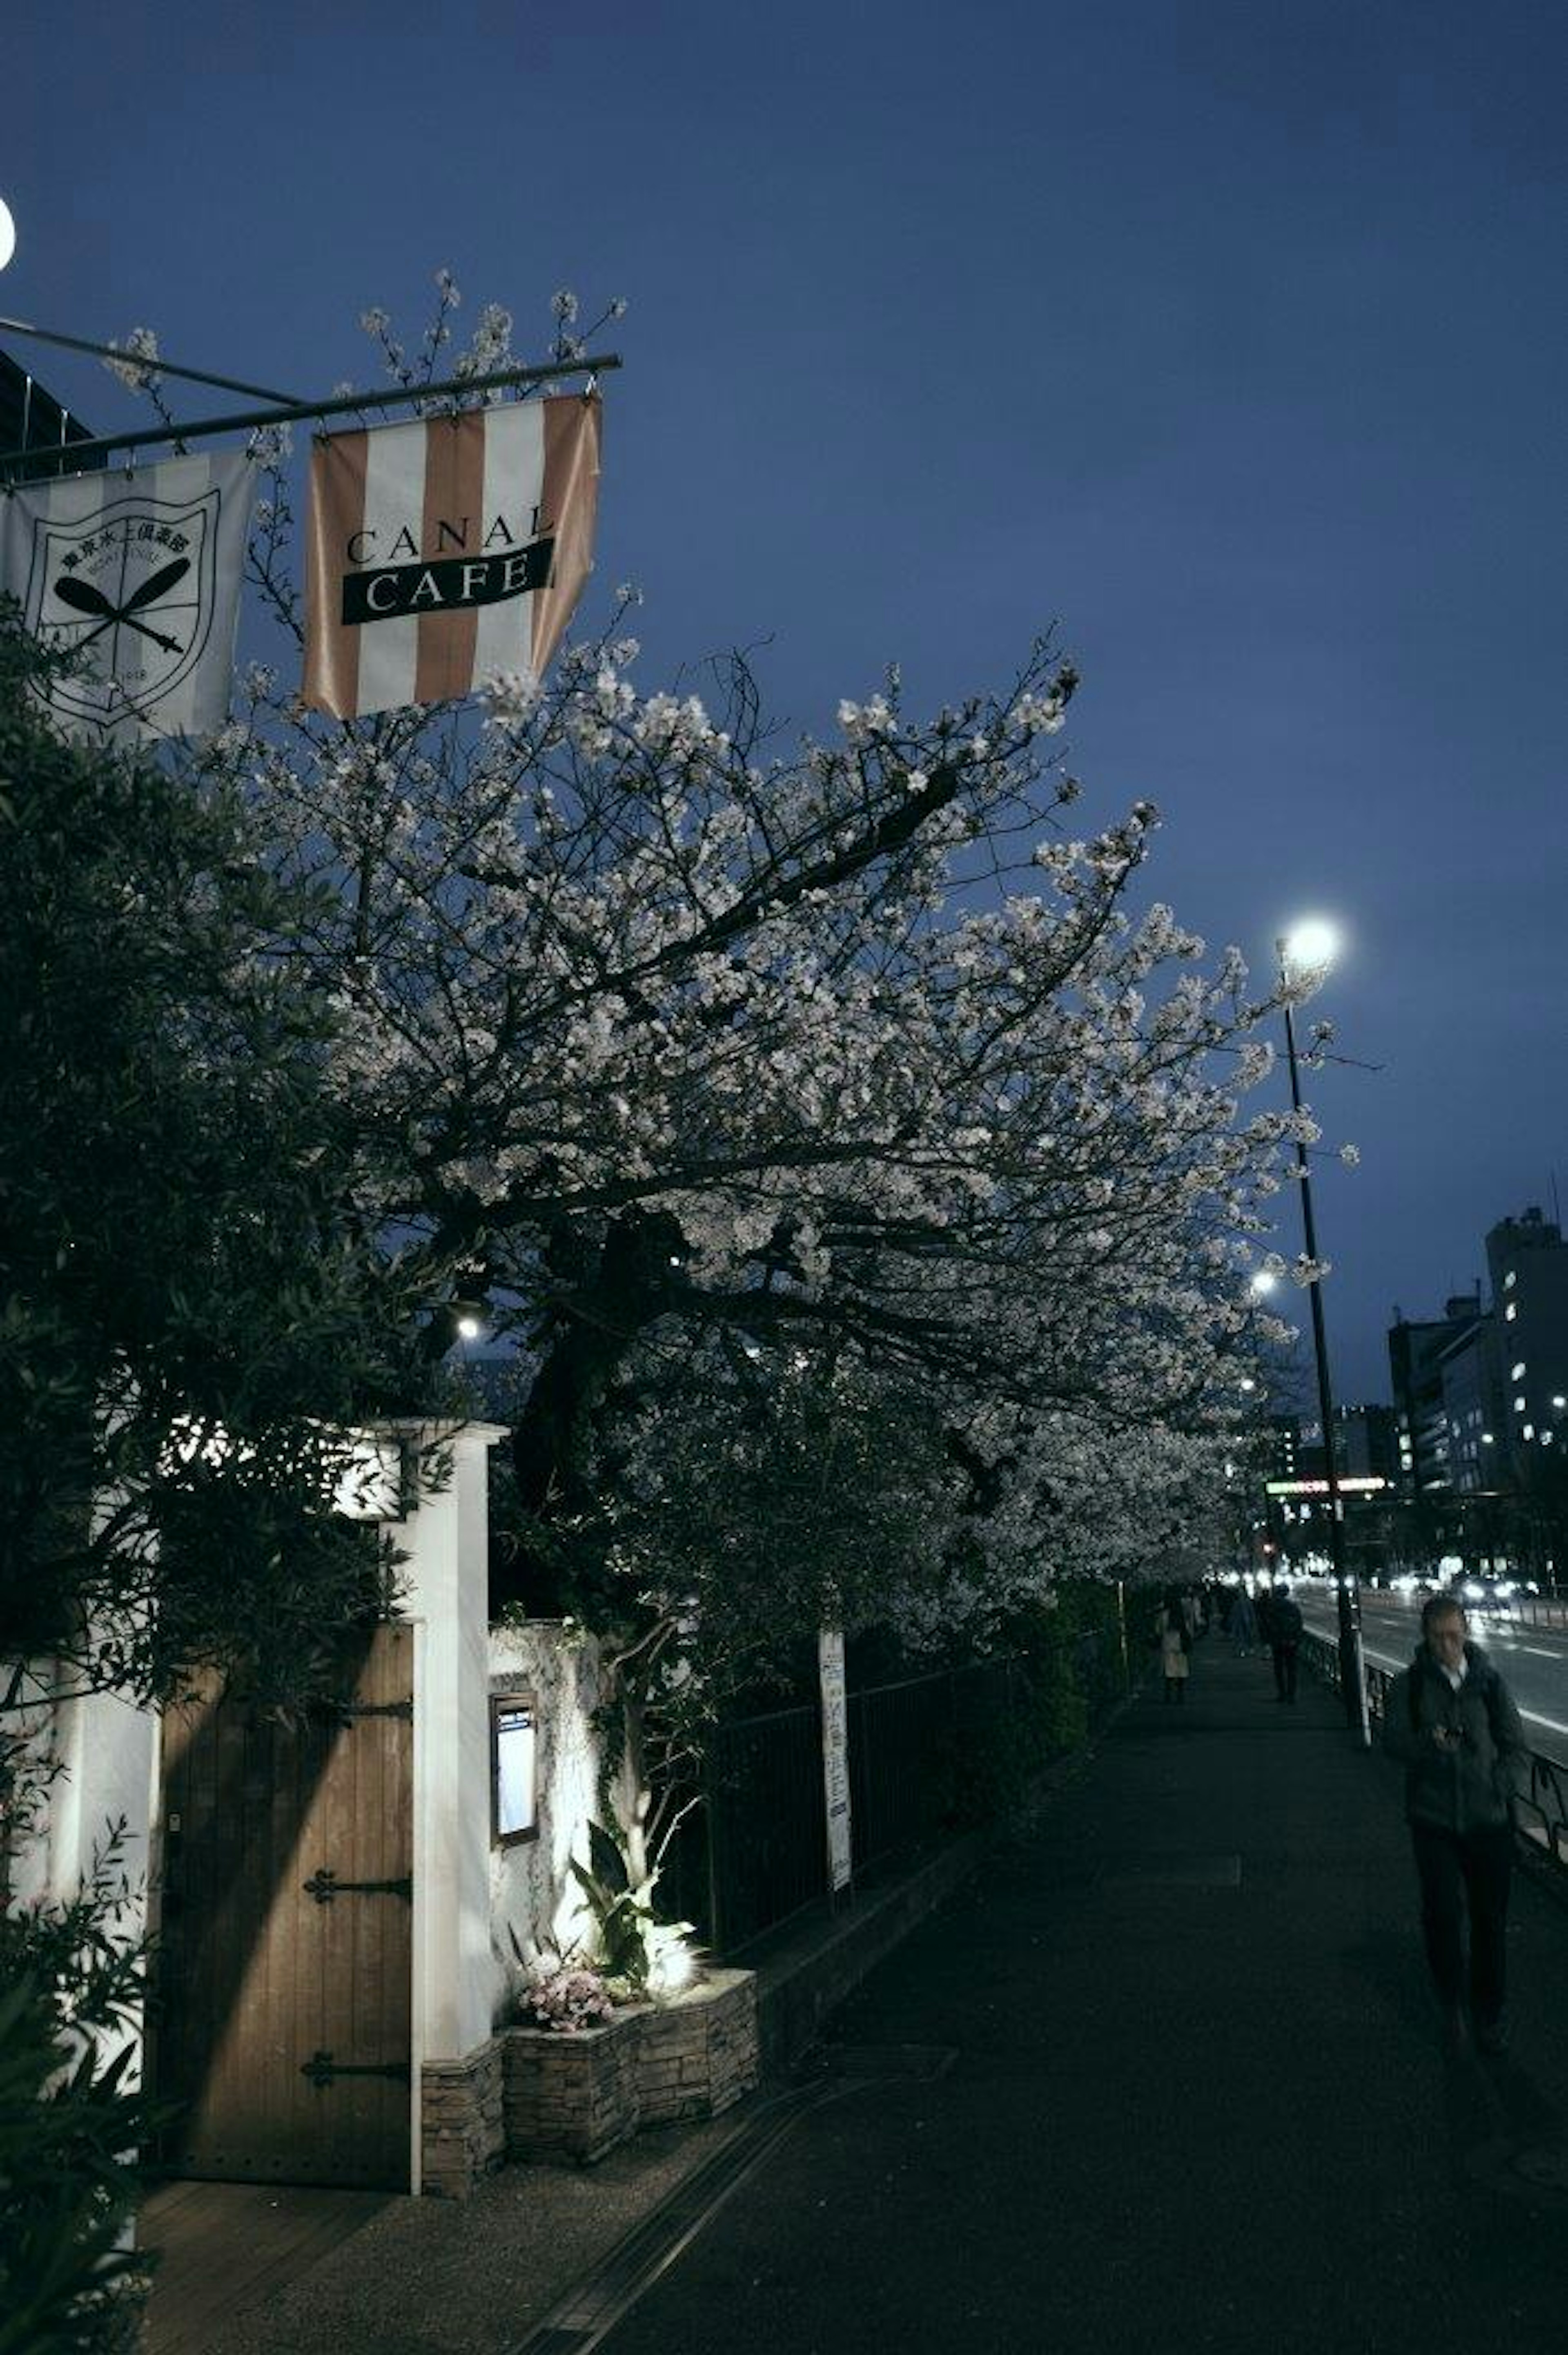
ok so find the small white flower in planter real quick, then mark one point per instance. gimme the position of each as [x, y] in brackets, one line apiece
[565, 2002]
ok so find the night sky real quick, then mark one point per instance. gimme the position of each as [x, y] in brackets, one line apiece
[1228, 336]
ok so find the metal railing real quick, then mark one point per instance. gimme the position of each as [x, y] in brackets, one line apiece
[909, 1743]
[753, 1853]
[1541, 1783]
[1529, 1610]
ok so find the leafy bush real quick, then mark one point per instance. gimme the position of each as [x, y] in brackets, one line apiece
[633, 1945]
[70, 2125]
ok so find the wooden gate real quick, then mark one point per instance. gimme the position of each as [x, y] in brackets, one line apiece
[282, 2027]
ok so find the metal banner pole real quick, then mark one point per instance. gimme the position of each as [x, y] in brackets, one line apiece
[296, 412]
[124, 358]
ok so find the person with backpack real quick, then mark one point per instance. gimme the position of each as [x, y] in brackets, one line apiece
[1453, 1726]
[1285, 1631]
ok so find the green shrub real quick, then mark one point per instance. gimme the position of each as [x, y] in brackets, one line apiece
[70, 2129]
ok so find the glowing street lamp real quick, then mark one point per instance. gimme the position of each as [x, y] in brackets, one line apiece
[1309, 951]
[1310, 948]
[7, 233]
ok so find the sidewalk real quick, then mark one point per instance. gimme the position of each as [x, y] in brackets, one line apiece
[1195, 2100]
[1163, 2076]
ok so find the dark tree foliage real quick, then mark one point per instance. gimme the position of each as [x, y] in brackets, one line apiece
[71, 2118]
[190, 1317]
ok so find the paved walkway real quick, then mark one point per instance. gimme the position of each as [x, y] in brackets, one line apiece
[1196, 2100]
[1164, 2078]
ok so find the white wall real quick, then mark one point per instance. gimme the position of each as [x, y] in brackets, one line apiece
[531, 1893]
[106, 1751]
[446, 1594]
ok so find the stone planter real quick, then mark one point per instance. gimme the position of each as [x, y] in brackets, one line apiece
[698, 2052]
[570, 2097]
[575, 2097]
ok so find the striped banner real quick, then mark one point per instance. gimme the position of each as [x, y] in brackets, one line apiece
[441, 553]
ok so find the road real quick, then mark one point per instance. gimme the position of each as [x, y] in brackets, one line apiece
[1534, 1659]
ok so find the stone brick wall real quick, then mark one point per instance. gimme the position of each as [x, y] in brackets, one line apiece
[571, 2097]
[575, 2097]
[462, 2132]
[698, 2052]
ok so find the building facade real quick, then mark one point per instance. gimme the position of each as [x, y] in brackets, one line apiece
[1416, 1352]
[1528, 1263]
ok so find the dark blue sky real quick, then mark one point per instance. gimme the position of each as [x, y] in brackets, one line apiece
[1230, 337]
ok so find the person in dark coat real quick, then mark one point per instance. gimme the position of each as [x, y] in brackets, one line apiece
[1453, 1726]
[1284, 1630]
[1243, 1623]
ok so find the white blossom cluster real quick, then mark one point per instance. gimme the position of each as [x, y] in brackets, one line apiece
[881, 1051]
[140, 348]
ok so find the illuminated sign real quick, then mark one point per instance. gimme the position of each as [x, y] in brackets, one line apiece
[1358, 1483]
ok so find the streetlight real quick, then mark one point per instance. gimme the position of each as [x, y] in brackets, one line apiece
[1310, 949]
[7, 233]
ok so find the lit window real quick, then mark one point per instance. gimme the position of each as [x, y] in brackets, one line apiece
[1511, 1312]
[1485, 1439]
[1530, 1430]
[512, 1757]
[1518, 1373]
[1509, 1280]
[1547, 1437]
[1519, 1403]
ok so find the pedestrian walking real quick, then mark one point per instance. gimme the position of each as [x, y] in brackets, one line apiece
[1175, 1644]
[1453, 1725]
[1285, 1632]
[1244, 1624]
[1265, 1614]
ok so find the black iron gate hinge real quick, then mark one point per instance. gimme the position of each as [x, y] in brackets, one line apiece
[320, 2069]
[324, 1885]
[344, 1713]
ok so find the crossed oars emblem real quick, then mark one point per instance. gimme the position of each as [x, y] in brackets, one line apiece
[86, 599]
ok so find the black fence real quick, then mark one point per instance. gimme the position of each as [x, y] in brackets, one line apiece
[922, 1749]
[1541, 1783]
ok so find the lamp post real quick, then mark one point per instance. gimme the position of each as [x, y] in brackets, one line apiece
[1310, 949]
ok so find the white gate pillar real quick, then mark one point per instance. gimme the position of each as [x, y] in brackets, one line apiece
[447, 1597]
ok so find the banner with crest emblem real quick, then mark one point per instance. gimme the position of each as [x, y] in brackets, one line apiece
[137, 576]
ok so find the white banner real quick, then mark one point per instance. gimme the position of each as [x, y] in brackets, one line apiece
[138, 575]
[835, 1754]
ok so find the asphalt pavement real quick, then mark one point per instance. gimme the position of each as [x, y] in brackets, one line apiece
[1166, 2076]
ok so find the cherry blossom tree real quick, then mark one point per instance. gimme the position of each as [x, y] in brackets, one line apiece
[653, 1027]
